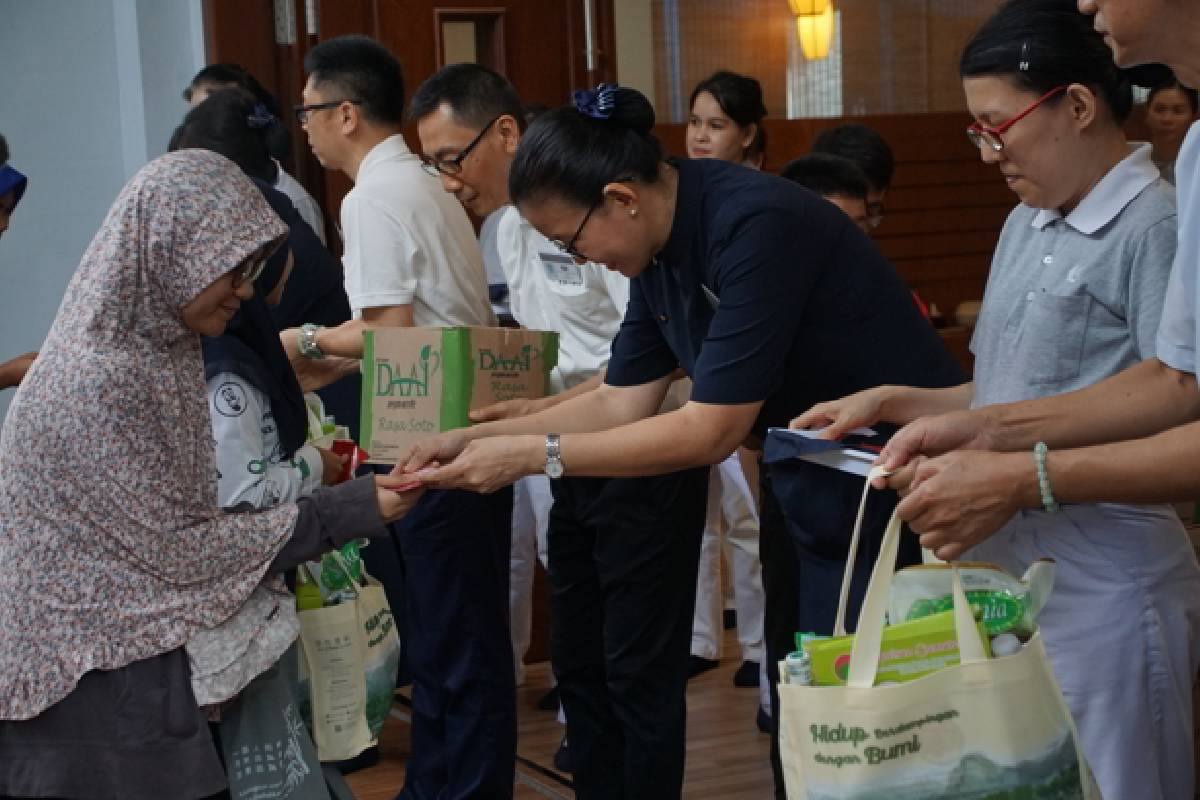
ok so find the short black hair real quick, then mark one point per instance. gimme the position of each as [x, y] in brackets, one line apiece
[828, 175]
[1041, 45]
[1173, 83]
[229, 122]
[362, 70]
[573, 152]
[475, 94]
[224, 76]
[862, 145]
[3, 151]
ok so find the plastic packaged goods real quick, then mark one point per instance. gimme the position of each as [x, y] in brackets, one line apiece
[1006, 604]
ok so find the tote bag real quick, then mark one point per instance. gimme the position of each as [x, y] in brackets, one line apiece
[351, 654]
[986, 729]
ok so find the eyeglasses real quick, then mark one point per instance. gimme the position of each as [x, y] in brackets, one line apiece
[250, 271]
[453, 166]
[304, 112]
[569, 247]
[981, 134]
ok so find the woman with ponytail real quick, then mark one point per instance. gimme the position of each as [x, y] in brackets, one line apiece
[768, 297]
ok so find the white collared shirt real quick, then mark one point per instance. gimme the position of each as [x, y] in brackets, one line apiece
[547, 290]
[409, 242]
[1072, 300]
[310, 212]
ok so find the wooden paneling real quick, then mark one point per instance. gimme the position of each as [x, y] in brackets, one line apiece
[897, 55]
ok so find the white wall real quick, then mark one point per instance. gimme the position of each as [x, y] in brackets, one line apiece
[89, 91]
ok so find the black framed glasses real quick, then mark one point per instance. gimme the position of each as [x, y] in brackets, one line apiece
[453, 166]
[569, 247]
[304, 112]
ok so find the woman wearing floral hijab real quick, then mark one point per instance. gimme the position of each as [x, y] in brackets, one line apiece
[131, 599]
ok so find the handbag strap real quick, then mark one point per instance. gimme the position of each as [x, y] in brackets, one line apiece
[865, 652]
[839, 623]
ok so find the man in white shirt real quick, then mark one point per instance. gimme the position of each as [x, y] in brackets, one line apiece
[222, 76]
[623, 552]
[411, 258]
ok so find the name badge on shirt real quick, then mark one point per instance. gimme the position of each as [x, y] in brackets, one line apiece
[562, 273]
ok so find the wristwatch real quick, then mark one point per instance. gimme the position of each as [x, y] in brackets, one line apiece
[554, 464]
[308, 341]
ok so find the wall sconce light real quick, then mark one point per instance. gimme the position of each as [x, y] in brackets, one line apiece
[814, 26]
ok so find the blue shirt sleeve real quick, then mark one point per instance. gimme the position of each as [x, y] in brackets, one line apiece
[763, 285]
[640, 354]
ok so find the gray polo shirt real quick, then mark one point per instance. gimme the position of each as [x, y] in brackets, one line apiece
[1177, 337]
[1072, 300]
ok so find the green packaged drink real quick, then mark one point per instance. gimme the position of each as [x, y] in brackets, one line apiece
[333, 573]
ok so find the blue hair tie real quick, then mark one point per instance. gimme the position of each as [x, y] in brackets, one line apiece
[597, 103]
[261, 117]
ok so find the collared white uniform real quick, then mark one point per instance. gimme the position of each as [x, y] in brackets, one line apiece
[410, 243]
[250, 463]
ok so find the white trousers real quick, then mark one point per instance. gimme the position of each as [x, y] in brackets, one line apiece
[732, 526]
[531, 518]
[1122, 630]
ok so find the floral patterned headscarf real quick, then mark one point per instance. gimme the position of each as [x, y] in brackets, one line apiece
[112, 547]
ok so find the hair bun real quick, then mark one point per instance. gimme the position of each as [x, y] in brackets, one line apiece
[620, 105]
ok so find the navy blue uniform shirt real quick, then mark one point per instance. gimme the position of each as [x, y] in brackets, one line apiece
[766, 292]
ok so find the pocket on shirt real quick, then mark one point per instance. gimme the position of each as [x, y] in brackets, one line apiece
[1052, 336]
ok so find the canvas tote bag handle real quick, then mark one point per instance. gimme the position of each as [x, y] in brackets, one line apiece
[864, 655]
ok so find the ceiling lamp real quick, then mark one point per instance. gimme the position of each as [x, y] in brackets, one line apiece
[814, 26]
[803, 7]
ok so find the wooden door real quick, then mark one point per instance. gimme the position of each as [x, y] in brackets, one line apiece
[540, 45]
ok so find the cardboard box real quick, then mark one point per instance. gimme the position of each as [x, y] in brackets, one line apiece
[418, 382]
[909, 650]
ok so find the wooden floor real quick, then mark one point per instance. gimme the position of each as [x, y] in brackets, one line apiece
[726, 755]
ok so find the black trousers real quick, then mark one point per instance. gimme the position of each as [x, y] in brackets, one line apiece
[805, 523]
[623, 556]
[454, 549]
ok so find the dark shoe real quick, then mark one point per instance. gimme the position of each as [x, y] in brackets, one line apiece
[562, 758]
[364, 760]
[763, 720]
[746, 675]
[698, 666]
[548, 701]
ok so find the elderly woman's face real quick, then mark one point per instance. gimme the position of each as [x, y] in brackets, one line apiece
[1040, 159]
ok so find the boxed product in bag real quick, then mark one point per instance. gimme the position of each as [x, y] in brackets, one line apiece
[418, 382]
[908, 651]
